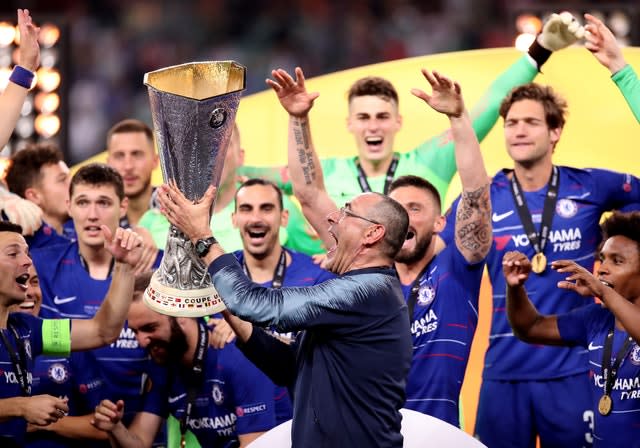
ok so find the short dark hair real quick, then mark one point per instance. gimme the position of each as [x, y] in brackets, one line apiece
[97, 174]
[129, 125]
[25, 168]
[622, 224]
[258, 181]
[418, 182]
[8, 226]
[392, 215]
[373, 86]
[555, 107]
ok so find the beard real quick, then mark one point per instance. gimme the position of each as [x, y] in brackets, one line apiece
[172, 351]
[140, 191]
[407, 256]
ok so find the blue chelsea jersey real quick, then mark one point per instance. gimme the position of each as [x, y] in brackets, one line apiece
[235, 398]
[583, 195]
[29, 332]
[76, 378]
[588, 327]
[444, 321]
[69, 291]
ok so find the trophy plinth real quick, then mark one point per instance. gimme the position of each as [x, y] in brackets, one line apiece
[193, 107]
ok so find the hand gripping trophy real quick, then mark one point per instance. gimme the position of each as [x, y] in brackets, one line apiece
[193, 107]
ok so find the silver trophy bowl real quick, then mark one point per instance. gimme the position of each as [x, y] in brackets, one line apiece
[193, 107]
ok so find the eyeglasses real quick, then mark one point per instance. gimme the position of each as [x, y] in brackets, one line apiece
[345, 211]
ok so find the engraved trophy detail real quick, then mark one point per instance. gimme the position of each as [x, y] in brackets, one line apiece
[193, 107]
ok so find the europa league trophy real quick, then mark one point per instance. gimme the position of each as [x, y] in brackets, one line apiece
[193, 108]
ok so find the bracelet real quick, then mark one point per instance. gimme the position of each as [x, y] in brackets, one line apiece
[22, 77]
[538, 53]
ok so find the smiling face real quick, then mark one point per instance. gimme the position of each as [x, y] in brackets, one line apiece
[424, 221]
[14, 267]
[160, 335]
[374, 122]
[258, 217]
[94, 205]
[33, 296]
[528, 138]
[620, 266]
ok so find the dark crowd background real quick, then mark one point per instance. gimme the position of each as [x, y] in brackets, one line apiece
[107, 45]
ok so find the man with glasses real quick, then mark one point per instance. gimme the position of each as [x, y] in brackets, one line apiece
[441, 290]
[347, 368]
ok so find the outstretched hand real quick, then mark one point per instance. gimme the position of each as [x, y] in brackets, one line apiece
[29, 47]
[580, 280]
[446, 95]
[601, 42]
[560, 31]
[292, 94]
[192, 218]
[516, 268]
[125, 245]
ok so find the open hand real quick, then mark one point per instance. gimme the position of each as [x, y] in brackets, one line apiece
[29, 47]
[446, 96]
[580, 280]
[292, 93]
[601, 42]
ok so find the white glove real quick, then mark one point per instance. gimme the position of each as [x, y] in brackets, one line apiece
[21, 211]
[560, 31]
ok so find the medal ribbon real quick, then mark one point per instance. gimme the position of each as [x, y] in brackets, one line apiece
[538, 240]
[391, 171]
[196, 377]
[278, 273]
[610, 372]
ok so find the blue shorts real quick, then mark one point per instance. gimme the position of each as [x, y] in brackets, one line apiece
[512, 413]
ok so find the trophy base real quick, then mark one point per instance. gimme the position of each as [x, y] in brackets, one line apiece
[182, 303]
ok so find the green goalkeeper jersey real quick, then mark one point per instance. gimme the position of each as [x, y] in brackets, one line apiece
[433, 160]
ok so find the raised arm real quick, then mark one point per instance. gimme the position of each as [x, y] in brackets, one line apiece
[126, 248]
[437, 153]
[473, 218]
[304, 165]
[601, 42]
[14, 95]
[526, 322]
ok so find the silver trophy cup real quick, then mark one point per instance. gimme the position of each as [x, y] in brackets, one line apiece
[193, 107]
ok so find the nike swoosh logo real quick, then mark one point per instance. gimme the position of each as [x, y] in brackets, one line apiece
[174, 399]
[499, 217]
[59, 301]
[594, 347]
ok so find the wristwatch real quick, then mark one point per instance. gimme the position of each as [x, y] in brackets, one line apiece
[203, 245]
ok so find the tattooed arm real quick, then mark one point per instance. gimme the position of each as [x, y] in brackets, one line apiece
[473, 217]
[304, 165]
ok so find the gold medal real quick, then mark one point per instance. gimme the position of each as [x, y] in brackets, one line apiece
[539, 263]
[605, 404]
